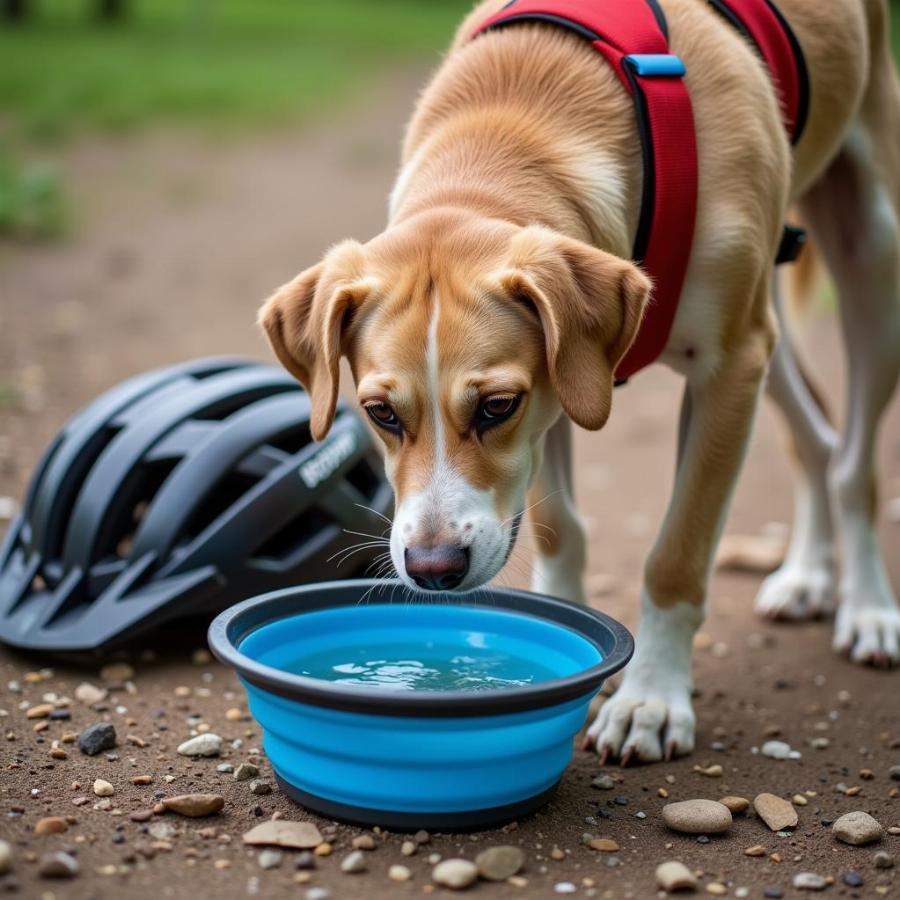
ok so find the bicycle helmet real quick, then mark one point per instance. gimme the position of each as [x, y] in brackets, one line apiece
[178, 493]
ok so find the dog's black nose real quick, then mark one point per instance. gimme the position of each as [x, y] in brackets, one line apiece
[437, 568]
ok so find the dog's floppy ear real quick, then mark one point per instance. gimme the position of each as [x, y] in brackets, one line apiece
[305, 319]
[590, 304]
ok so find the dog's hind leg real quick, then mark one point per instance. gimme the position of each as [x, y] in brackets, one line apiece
[560, 546]
[854, 213]
[804, 586]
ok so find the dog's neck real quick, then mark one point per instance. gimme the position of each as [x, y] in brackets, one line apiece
[493, 173]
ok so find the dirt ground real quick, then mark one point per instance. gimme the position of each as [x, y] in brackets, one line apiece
[179, 240]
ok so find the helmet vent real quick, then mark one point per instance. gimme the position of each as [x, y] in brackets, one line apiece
[292, 441]
[364, 478]
[303, 527]
[226, 492]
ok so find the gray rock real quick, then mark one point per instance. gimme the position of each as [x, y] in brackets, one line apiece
[318, 893]
[225, 768]
[809, 881]
[208, 744]
[883, 860]
[499, 863]
[457, 874]
[354, 862]
[270, 859]
[161, 831]
[58, 865]
[260, 788]
[776, 750]
[97, 738]
[603, 783]
[245, 771]
[697, 817]
[857, 828]
[894, 773]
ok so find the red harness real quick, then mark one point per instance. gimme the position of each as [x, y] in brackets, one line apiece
[632, 36]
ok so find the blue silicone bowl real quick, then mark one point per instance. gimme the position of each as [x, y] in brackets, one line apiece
[443, 759]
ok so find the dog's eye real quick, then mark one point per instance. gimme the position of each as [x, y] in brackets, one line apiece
[497, 409]
[383, 415]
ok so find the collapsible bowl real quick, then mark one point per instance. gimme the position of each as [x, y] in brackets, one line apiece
[444, 759]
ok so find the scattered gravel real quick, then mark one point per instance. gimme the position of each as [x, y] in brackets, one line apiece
[675, 876]
[208, 744]
[697, 817]
[97, 738]
[857, 828]
[457, 874]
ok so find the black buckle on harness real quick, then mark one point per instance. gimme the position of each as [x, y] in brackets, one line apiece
[793, 240]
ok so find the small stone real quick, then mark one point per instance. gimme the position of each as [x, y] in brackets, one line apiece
[853, 879]
[117, 672]
[456, 874]
[6, 857]
[269, 858]
[820, 743]
[773, 893]
[260, 788]
[141, 780]
[408, 848]
[324, 849]
[363, 842]
[283, 833]
[776, 750]
[103, 788]
[675, 876]
[162, 831]
[354, 863]
[51, 825]
[245, 771]
[894, 773]
[736, 805]
[755, 850]
[883, 860]
[41, 711]
[208, 744]
[305, 861]
[716, 888]
[776, 812]
[194, 806]
[564, 887]
[857, 828]
[810, 881]
[499, 863]
[141, 815]
[318, 893]
[697, 817]
[58, 865]
[605, 845]
[399, 873]
[97, 738]
[90, 694]
[603, 783]
[225, 768]
[233, 715]
[799, 800]
[422, 837]
[557, 854]
[714, 771]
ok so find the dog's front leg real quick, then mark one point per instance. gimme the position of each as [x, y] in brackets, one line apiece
[559, 538]
[651, 713]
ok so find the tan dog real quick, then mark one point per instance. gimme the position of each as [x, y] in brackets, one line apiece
[494, 309]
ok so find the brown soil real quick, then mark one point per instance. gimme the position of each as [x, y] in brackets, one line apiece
[179, 240]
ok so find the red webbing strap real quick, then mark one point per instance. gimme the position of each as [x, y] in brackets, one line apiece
[767, 28]
[618, 29]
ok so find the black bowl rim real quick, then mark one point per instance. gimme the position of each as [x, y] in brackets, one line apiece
[232, 626]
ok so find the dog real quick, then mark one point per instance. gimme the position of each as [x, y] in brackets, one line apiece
[491, 313]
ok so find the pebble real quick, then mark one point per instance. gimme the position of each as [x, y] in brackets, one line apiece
[117, 672]
[857, 828]
[225, 768]
[564, 887]
[399, 873]
[605, 845]
[716, 888]
[260, 788]
[305, 861]
[853, 879]
[363, 842]
[809, 881]
[603, 783]
[103, 788]
[6, 857]
[41, 711]
[208, 744]
[457, 874]
[820, 743]
[755, 850]
[354, 863]
[776, 812]
[97, 738]
[89, 693]
[714, 771]
[697, 817]
[894, 773]
[162, 831]
[318, 893]
[51, 825]
[675, 876]
[499, 863]
[883, 860]
[774, 893]
[776, 750]
[194, 806]
[736, 805]
[408, 848]
[58, 865]
[270, 859]
[283, 833]
[245, 771]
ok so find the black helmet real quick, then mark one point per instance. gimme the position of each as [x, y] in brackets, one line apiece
[176, 494]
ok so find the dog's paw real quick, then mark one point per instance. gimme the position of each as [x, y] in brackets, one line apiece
[798, 592]
[868, 635]
[643, 728]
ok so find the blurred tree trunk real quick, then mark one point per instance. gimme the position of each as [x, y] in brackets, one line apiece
[14, 10]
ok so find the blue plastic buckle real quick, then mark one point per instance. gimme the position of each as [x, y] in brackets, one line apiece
[656, 65]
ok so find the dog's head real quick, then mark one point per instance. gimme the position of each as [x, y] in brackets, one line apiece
[466, 337]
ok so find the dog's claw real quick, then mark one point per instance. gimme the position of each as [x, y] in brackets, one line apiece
[626, 758]
[670, 751]
[604, 755]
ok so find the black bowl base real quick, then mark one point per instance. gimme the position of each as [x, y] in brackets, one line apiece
[474, 820]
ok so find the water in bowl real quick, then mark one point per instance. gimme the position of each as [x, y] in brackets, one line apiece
[432, 666]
